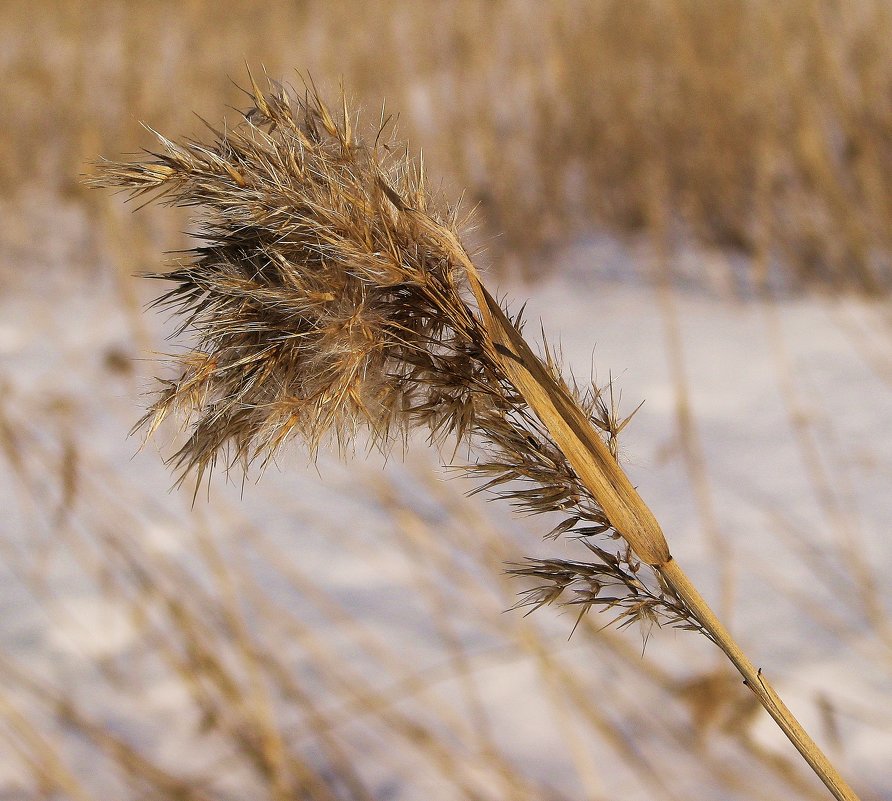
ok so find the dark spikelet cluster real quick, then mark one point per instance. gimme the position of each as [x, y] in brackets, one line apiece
[328, 296]
[611, 582]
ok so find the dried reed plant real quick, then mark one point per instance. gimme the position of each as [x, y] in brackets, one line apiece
[329, 295]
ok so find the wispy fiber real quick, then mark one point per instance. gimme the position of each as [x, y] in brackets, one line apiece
[331, 295]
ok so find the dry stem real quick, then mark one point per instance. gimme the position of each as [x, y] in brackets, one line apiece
[579, 443]
[754, 679]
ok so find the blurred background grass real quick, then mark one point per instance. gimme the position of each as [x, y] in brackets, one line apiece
[761, 127]
[212, 660]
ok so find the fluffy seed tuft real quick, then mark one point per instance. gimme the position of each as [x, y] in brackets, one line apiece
[330, 295]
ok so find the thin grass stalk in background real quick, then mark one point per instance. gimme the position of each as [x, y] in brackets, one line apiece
[330, 295]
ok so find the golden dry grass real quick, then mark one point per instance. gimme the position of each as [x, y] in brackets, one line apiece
[760, 126]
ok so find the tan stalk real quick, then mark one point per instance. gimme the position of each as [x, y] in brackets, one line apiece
[585, 450]
[631, 517]
[755, 680]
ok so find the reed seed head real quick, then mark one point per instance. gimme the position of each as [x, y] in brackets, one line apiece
[319, 308]
[330, 294]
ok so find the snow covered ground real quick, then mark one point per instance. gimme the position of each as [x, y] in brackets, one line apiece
[790, 419]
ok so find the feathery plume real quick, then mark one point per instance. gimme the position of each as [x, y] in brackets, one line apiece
[330, 294]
